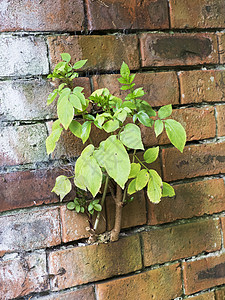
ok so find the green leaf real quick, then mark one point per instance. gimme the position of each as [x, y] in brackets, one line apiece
[116, 160]
[78, 89]
[144, 119]
[97, 207]
[168, 190]
[52, 139]
[66, 57]
[129, 104]
[125, 87]
[76, 128]
[62, 186]
[123, 80]
[151, 155]
[165, 111]
[125, 71]
[65, 112]
[131, 79]
[85, 132]
[56, 125]
[88, 151]
[154, 191]
[142, 179]
[146, 107]
[52, 96]
[111, 125]
[132, 187]
[155, 176]
[121, 116]
[80, 96]
[139, 92]
[99, 154]
[135, 168]
[75, 101]
[71, 205]
[176, 134]
[100, 92]
[131, 137]
[61, 86]
[79, 64]
[158, 127]
[88, 174]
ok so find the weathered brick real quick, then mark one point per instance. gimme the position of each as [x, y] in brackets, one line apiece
[103, 52]
[221, 42]
[23, 56]
[196, 160]
[15, 186]
[133, 214]
[223, 229]
[133, 14]
[202, 86]
[86, 293]
[220, 294]
[160, 88]
[192, 199]
[47, 15]
[23, 274]
[178, 49]
[205, 296]
[31, 97]
[199, 123]
[204, 273]
[29, 230]
[181, 241]
[74, 226]
[80, 265]
[220, 109]
[162, 283]
[201, 14]
[22, 144]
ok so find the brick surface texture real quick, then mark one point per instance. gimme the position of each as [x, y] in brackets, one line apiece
[171, 250]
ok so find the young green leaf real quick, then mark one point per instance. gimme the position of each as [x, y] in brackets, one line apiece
[66, 57]
[131, 137]
[71, 205]
[97, 207]
[176, 134]
[155, 176]
[65, 112]
[158, 127]
[135, 169]
[52, 139]
[144, 119]
[142, 179]
[123, 80]
[151, 155]
[165, 111]
[76, 128]
[132, 187]
[111, 125]
[121, 116]
[85, 132]
[56, 125]
[79, 64]
[139, 92]
[80, 96]
[125, 71]
[52, 96]
[62, 186]
[75, 101]
[168, 190]
[154, 191]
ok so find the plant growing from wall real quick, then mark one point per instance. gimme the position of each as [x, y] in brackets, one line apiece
[115, 163]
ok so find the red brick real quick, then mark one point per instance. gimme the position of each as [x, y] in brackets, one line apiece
[103, 52]
[181, 241]
[220, 294]
[162, 283]
[133, 214]
[47, 15]
[15, 188]
[201, 14]
[74, 226]
[112, 14]
[221, 41]
[196, 160]
[160, 88]
[29, 230]
[204, 273]
[205, 296]
[91, 263]
[202, 86]
[178, 49]
[23, 274]
[192, 199]
[220, 109]
[223, 229]
[22, 144]
[199, 123]
[86, 293]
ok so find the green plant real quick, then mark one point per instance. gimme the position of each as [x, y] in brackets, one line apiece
[115, 161]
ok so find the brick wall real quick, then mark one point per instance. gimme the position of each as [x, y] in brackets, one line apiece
[173, 250]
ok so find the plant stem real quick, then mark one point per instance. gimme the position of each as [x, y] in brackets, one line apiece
[118, 215]
[141, 162]
[102, 202]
